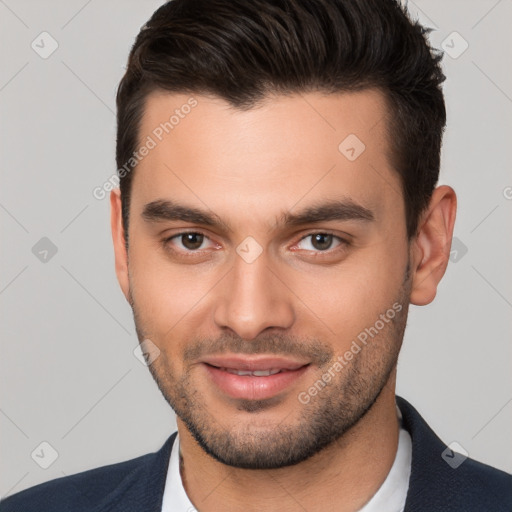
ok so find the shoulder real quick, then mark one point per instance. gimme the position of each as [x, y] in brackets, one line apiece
[441, 479]
[98, 488]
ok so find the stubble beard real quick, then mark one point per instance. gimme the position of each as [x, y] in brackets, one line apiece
[313, 426]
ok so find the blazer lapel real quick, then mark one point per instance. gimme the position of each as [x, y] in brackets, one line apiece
[143, 488]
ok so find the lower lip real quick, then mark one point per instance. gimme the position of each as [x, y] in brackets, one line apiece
[253, 388]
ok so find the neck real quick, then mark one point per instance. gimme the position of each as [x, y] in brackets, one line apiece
[342, 477]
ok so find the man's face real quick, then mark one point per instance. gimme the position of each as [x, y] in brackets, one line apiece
[299, 259]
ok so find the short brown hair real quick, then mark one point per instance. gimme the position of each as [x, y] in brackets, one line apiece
[242, 50]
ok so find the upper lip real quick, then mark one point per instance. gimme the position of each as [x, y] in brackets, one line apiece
[254, 363]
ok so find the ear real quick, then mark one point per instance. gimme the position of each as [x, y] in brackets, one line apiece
[431, 247]
[120, 251]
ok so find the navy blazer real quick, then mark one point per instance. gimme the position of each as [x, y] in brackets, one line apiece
[137, 485]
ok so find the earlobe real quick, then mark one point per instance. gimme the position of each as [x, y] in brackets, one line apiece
[430, 250]
[118, 238]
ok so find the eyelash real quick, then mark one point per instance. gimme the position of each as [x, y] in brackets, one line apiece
[184, 252]
[342, 243]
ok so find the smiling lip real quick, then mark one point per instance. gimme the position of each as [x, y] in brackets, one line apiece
[253, 378]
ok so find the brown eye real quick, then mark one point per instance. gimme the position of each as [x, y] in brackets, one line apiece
[321, 241]
[190, 244]
[192, 241]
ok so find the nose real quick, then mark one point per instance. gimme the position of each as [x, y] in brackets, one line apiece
[253, 299]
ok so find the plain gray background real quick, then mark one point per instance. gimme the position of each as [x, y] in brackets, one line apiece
[68, 373]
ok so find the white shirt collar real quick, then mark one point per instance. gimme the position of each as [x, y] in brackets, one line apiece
[392, 493]
[390, 497]
[175, 498]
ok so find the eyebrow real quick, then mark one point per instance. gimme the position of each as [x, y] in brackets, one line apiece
[329, 210]
[167, 210]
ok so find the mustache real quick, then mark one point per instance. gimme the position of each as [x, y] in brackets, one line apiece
[276, 344]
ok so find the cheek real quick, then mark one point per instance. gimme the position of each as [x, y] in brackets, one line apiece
[166, 295]
[350, 297]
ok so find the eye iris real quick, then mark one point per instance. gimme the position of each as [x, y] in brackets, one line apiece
[321, 241]
[192, 240]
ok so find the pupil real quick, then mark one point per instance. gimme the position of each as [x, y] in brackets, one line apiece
[322, 241]
[192, 240]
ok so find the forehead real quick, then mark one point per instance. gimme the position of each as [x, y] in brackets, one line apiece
[266, 160]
